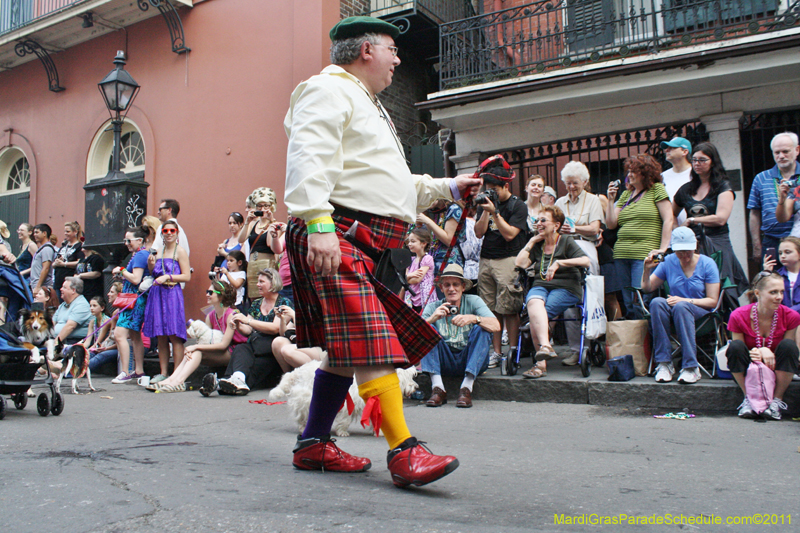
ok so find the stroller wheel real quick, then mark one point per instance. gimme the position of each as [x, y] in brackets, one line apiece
[586, 368]
[20, 400]
[511, 362]
[43, 405]
[598, 353]
[58, 404]
[2, 408]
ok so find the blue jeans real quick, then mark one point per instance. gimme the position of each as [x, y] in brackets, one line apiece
[474, 359]
[683, 315]
[556, 301]
[629, 274]
[99, 359]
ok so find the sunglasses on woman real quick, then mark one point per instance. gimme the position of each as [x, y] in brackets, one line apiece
[169, 231]
[210, 292]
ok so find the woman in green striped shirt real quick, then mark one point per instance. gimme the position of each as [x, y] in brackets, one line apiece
[643, 215]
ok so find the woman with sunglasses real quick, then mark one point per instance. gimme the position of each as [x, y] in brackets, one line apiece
[259, 240]
[221, 298]
[231, 243]
[553, 262]
[164, 317]
[129, 321]
[764, 331]
[708, 201]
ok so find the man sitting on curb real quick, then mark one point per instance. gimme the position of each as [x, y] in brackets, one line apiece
[464, 350]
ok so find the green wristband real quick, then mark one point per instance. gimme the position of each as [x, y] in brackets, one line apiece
[321, 228]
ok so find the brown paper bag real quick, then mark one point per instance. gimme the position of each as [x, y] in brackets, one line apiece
[632, 337]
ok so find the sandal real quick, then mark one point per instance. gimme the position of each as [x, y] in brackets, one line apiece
[152, 387]
[172, 388]
[546, 353]
[534, 373]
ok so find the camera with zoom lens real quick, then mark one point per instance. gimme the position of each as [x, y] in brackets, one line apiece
[792, 183]
[486, 196]
[452, 309]
[212, 276]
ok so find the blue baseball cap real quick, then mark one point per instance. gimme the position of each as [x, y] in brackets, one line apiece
[678, 142]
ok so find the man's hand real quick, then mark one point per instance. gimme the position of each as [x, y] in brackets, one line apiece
[464, 320]
[489, 207]
[467, 184]
[783, 190]
[442, 311]
[324, 254]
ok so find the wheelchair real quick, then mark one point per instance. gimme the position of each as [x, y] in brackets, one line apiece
[592, 351]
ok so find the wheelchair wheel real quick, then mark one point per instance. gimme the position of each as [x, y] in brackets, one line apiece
[598, 353]
[511, 362]
[20, 400]
[586, 368]
[58, 404]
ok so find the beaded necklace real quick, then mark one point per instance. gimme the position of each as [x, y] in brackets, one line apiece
[757, 330]
[542, 270]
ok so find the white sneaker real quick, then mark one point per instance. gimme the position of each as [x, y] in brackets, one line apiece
[689, 375]
[234, 386]
[505, 338]
[774, 410]
[746, 410]
[572, 359]
[123, 377]
[494, 360]
[664, 372]
[796, 377]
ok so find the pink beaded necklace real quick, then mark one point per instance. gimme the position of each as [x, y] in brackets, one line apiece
[757, 330]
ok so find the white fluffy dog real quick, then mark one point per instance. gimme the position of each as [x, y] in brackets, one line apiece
[203, 334]
[296, 388]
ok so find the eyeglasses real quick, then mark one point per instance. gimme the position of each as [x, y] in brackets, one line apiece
[169, 231]
[542, 220]
[210, 292]
[700, 160]
[263, 206]
[163, 207]
[235, 214]
[392, 49]
[128, 241]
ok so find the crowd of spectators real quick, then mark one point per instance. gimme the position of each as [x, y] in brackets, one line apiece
[654, 229]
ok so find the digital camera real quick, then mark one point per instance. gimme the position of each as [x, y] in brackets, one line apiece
[486, 196]
[452, 309]
[615, 183]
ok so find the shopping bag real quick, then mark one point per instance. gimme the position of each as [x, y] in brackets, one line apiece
[595, 307]
[625, 337]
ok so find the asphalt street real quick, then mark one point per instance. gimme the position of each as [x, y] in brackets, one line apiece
[125, 460]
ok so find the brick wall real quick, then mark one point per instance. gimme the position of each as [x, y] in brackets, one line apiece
[349, 8]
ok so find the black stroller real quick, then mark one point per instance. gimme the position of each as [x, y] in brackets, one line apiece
[17, 373]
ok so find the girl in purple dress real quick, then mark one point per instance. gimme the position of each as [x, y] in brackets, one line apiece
[164, 316]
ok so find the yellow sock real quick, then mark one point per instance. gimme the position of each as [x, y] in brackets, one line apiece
[387, 389]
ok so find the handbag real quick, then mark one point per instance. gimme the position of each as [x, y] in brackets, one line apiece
[621, 368]
[759, 386]
[595, 307]
[125, 300]
[632, 337]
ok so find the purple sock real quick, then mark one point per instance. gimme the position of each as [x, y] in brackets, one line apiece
[330, 390]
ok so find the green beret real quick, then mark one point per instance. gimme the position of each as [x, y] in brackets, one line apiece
[355, 26]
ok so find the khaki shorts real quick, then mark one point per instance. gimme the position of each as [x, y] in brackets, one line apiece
[496, 286]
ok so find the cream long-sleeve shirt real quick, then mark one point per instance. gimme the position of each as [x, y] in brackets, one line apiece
[343, 150]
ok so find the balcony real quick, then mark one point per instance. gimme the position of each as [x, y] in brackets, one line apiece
[419, 21]
[55, 25]
[549, 35]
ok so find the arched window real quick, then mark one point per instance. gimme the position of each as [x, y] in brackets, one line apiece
[131, 153]
[15, 174]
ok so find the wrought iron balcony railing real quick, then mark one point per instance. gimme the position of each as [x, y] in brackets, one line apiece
[438, 11]
[17, 13]
[552, 34]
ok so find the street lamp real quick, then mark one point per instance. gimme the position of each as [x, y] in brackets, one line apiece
[118, 90]
[116, 201]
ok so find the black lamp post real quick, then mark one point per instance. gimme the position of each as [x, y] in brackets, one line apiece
[116, 201]
[118, 90]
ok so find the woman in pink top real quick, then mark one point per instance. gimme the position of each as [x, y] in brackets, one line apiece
[764, 331]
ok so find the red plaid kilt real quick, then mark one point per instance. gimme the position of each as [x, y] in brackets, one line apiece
[352, 315]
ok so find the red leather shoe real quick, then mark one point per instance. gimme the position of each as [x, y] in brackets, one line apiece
[323, 454]
[412, 463]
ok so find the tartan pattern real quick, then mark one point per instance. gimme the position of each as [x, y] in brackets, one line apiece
[353, 316]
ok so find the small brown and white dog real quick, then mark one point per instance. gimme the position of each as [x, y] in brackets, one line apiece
[296, 387]
[36, 326]
[76, 360]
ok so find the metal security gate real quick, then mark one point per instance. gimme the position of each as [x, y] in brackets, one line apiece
[604, 155]
[14, 211]
[755, 134]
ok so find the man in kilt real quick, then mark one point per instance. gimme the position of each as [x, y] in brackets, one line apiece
[345, 166]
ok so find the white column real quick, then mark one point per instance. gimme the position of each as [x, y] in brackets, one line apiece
[723, 131]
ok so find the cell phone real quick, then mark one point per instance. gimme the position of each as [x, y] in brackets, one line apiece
[258, 213]
[771, 251]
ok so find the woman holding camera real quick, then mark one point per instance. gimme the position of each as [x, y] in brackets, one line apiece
[164, 316]
[708, 201]
[644, 217]
[553, 262]
[259, 239]
[694, 287]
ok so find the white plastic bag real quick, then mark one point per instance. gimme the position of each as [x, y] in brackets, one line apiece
[595, 308]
